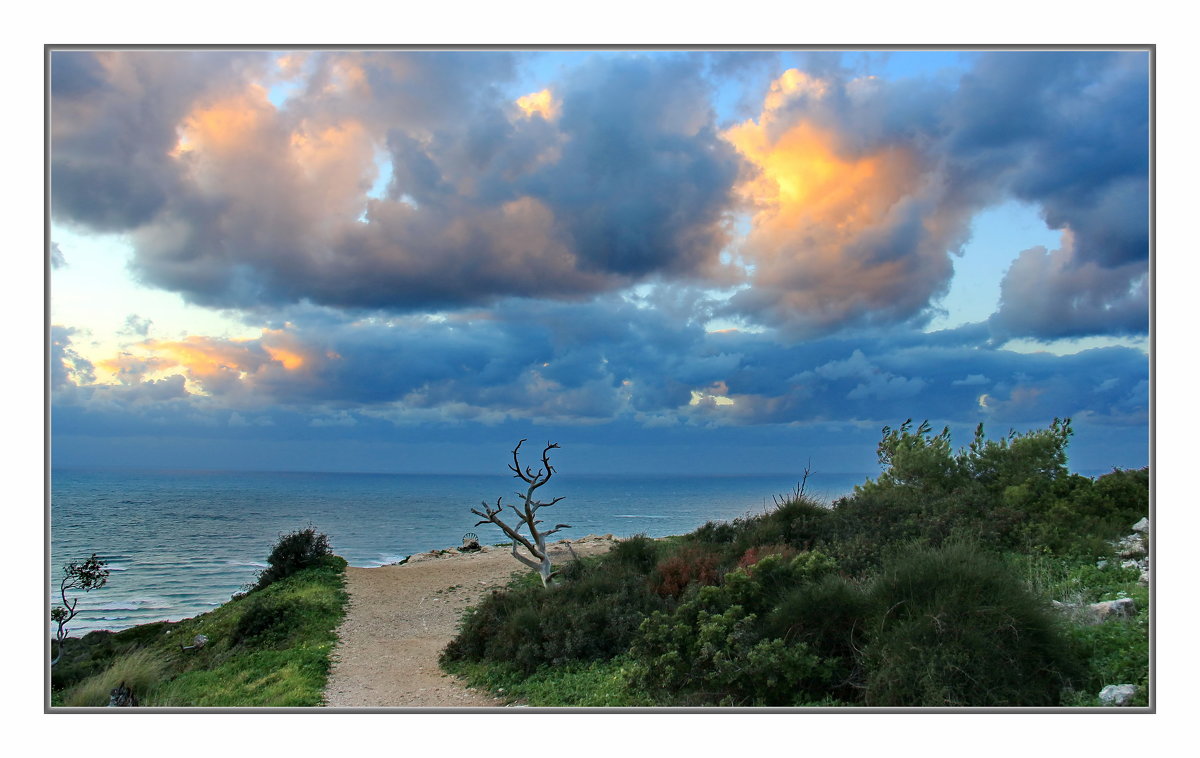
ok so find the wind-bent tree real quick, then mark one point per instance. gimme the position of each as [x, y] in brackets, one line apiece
[87, 576]
[538, 557]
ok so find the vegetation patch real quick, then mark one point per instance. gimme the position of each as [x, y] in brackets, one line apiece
[268, 647]
[935, 584]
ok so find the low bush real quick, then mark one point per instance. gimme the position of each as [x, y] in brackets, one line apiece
[638, 553]
[828, 616]
[596, 684]
[799, 522]
[955, 627]
[294, 552]
[589, 614]
[714, 648]
[1114, 652]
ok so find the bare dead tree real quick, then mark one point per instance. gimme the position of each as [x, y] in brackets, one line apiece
[538, 557]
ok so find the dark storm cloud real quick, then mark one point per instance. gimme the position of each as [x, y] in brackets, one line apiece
[643, 181]
[1070, 133]
[233, 202]
[1053, 294]
[113, 123]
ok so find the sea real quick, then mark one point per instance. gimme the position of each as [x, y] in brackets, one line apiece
[179, 543]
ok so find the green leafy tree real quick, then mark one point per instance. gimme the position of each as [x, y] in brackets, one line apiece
[917, 458]
[1018, 459]
[87, 575]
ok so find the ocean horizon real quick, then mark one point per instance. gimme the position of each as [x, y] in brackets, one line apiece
[179, 543]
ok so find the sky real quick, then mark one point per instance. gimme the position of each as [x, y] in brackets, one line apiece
[676, 261]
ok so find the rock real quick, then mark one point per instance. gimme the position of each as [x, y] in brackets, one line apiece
[122, 697]
[198, 642]
[1133, 546]
[1110, 609]
[1142, 527]
[1118, 694]
[1102, 563]
[1144, 579]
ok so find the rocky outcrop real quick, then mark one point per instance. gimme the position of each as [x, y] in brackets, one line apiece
[1134, 548]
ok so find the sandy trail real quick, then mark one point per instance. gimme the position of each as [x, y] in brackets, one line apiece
[400, 618]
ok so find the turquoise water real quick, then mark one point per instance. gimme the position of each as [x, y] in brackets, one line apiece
[179, 543]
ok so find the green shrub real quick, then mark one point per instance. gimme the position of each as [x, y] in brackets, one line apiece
[598, 684]
[1081, 518]
[1115, 652]
[714, 533]
[828, 616]
[718, 658]
[798, 522]
[266, 619]
[957, 628]
[713, 649]
[294, 552]
[591, 614]
[638, 553]
[290, 608]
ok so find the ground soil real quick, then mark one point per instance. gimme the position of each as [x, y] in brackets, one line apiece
[401, 617]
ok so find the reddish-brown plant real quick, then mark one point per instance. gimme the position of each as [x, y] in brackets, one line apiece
[692, 564]
[758, 552]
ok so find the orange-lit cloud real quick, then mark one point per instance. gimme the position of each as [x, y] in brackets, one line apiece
[213, 364]
[542, 103]
[286, 349]
[239, 145]
[838, 232]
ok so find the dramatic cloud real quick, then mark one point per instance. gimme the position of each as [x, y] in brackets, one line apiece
[616, 359]
[862, 189]
[845, 230]
[858, 189]
[1070, 133]
[619, 175]
[666, 244]
[113, 124]
[1060, 293]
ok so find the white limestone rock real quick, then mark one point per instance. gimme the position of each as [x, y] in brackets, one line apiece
[1112, 609]
[1118, 694]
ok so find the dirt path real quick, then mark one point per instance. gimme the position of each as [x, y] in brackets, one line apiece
[401, 617]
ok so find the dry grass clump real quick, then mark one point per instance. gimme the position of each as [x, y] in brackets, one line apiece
[140, 671]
